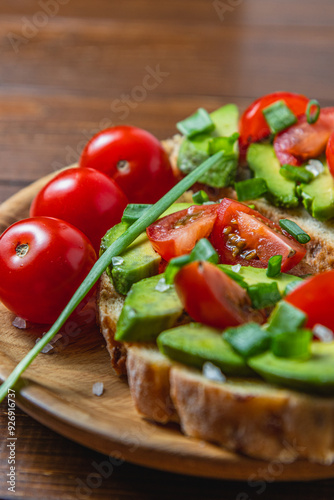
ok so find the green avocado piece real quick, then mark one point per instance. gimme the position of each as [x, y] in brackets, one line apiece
[263, 162]
[148, 311]
[318, 195]
[315, 375]
[194, 344]
[139, 260]
[253, 275]
[194, 151]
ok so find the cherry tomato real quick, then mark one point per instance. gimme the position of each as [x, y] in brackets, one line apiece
[135, 160]
[211, 297]
[330, 153]
[177, 234]
[42, 262]
[253, 126]
[303, 140]
[315, 296]
[84, 197]
[244, 236]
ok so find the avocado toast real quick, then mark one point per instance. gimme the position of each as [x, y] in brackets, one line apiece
[239, 411]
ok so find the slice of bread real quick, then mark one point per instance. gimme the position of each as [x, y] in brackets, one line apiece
[247, 416]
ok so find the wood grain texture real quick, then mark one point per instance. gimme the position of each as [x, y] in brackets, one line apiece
[58, 89]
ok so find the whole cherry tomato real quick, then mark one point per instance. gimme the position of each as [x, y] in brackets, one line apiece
[244, 236]
[304, 140]
[253, 126]
[213, 298]
[84, 197]
[315, 296]
[177, 234]
[330, 153]
[42, 263]
[134, 158]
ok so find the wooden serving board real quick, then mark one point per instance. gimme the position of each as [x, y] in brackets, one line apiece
[57, 391]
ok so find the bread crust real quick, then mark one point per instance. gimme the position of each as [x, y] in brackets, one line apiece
[250, 417]
[254, 418]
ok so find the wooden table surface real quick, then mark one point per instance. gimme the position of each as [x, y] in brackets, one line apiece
[71, 67]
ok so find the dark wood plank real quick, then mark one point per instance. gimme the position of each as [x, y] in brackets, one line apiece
[45, 470]
[250, 12]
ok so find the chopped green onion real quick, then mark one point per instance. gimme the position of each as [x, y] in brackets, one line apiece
[195, 124]
[291, 286]
[297, 232]
[264, 294]
[296, 174]
[104, 261]
[233, 274]
[223, 143]
[251, 206]
[203, 250]
[248, 340]
[133, 212]
[312, 117]
[286, 318]
[174, 266]
[251, 189]
[200, 197]
[295, 344]
[274, 266]
[279, 116]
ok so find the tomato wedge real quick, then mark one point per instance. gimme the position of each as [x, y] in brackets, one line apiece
[330, 154]
[211, 297]
[177, 234]
[244, 236]
[253, 126]
[303, 140]
[315, 296]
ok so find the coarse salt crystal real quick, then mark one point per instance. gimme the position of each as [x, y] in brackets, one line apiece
[20, 323]
[236, 268]
[162, 285]
[49, 347]
[323, 333]
[315, 167]
[98, 389]
[117, 261]
[212, 372]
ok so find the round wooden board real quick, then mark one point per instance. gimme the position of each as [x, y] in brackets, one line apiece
[57, 391]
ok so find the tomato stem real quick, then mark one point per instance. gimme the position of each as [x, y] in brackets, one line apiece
[104, 261]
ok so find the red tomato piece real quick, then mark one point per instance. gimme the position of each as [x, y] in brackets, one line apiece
[42, 263]
[134, 158]
[330, 153]
[213, 298]
[253, 126]
[177, 234]
[84, 197]
[315, 296]
[244, 236]
[304, 140]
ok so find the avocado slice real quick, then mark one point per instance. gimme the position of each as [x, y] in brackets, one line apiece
[263, 162]
[315, 375]
[248, 276]
[194, 151]
[318, 195]
[139, 260]
[194, 344]
[148, 311]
